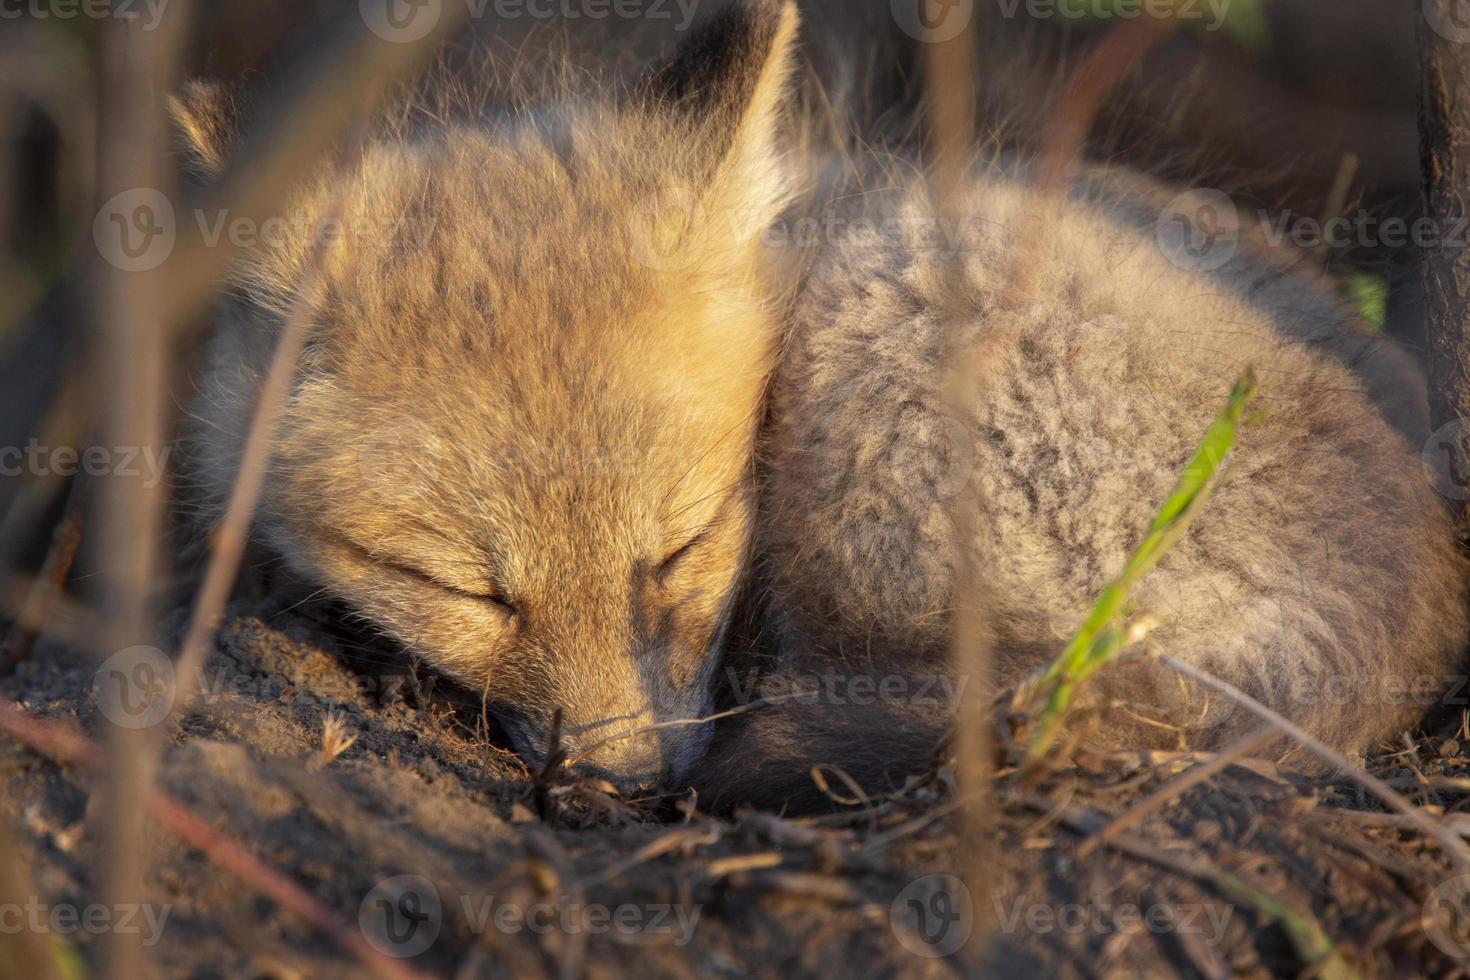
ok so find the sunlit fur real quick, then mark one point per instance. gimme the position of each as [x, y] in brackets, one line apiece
[510, 415]
[499, 435]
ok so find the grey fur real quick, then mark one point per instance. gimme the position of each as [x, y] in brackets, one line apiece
[1323, 578]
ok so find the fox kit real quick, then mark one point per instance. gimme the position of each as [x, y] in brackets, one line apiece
[550, 437]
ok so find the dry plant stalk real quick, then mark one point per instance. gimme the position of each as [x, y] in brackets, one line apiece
[143, 326]
[233, 532]
[949, 79]
[24, 953]
[137, 69]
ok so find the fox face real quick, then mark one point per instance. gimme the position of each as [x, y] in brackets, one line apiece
[521, 437]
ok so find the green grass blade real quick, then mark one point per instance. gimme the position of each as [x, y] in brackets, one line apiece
[1101, 638]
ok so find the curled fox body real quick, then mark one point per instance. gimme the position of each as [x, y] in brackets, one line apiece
[553, 439]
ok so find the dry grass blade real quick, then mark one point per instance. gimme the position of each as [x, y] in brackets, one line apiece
[683, 723]
[1312, 945]
[1454, 847]
[336, 738]
[949, 79]
[233, 532]
[1177, 786]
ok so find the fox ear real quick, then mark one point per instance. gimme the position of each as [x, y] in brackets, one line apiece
[206, 117]
[728, 82]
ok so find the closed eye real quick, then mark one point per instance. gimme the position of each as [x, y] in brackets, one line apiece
[671, 564]
[493, 598]
[500, 602]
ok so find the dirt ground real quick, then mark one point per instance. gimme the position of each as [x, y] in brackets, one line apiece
[445, 851]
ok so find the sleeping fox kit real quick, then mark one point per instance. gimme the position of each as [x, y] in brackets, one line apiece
[602, 429]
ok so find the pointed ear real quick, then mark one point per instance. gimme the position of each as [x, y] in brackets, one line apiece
[728, 82]
[206, 116]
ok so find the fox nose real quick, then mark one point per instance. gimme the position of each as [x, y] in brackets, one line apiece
[636, 764]
[631, 783]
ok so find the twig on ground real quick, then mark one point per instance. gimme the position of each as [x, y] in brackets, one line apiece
[1180, 784]
[737, 863]
[66, 539]
[1312, 945]
[1454, 847]
[682, 837]
[64, 745]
